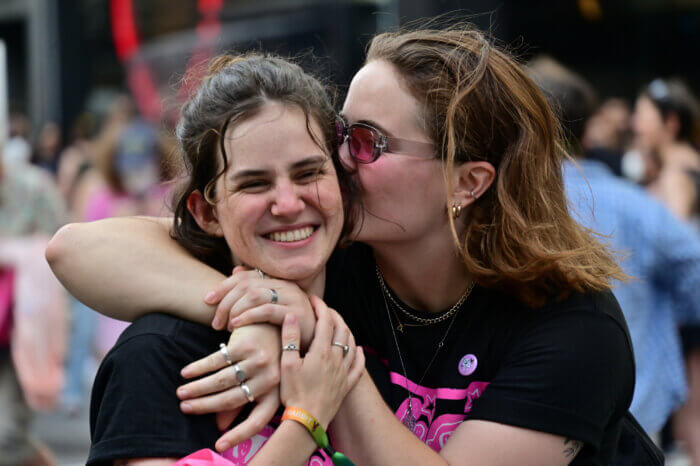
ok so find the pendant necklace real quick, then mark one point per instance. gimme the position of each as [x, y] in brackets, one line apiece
[409, 419]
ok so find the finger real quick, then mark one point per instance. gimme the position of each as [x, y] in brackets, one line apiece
[219, 291]
[228, 399]
[291, 335]
[256, 296]
[266, 313]
[352, 352]
[226, 303]
[225, 418]
[323, 333]
[259, 417]
[340, 333]
[216, 382]
[357, 368]
[207, 364]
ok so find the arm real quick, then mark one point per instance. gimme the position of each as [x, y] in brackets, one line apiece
[97, 262]
[363, 415]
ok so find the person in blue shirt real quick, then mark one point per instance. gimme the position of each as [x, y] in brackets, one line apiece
[660, 253]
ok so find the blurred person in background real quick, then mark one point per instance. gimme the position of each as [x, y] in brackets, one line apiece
[665, 124]
[76, 159]
[48, 147]
[17, 149]
[125, 182]
[607, 134]
[660, 252]
[32, 310]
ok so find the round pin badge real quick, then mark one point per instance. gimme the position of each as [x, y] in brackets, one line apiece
[467, 365]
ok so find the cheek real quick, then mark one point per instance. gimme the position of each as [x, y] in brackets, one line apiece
[325, 195]
[238, 221]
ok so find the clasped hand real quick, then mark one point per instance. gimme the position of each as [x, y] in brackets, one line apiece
[317, 382]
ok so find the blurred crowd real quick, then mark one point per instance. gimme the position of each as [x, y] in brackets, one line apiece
[640, 163]
[110, 164]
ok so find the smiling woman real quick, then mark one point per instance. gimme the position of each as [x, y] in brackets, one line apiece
[260, 189]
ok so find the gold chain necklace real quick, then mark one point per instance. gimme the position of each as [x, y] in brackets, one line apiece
[409, 419]
[422, 320]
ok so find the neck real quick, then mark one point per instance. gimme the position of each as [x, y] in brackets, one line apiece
[429, 276]
[314, 285]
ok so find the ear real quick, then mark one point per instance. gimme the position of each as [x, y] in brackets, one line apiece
[204, 214]
[470, 181]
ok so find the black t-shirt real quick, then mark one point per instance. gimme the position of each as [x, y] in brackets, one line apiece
[565, 369]
[134, 411]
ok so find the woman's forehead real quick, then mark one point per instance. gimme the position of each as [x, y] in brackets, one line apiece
[376, 94]
[274, 138]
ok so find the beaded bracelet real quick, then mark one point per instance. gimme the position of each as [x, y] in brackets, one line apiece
[319, 435]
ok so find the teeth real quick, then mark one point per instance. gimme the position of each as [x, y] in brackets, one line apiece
[293, 235]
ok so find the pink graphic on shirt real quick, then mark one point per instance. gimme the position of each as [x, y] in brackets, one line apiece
[241, 454]
[435, 432]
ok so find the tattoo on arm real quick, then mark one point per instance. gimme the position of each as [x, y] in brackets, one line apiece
[572, 447]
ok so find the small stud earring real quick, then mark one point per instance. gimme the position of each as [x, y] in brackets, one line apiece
[471, 193]
[456, 209]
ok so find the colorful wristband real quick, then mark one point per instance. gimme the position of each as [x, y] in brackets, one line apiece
[319, 435]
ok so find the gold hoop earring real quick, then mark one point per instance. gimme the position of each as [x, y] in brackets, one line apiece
[456, 209]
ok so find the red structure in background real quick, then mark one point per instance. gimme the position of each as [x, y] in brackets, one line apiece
[140, 76]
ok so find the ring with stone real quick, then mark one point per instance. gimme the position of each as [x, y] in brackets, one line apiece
[240, 373]
[346, 348]
[274, 297]
[260, 273]
[223, 349]
[290, 347]
[246, 392]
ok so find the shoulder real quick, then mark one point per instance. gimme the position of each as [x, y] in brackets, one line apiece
[161, 331]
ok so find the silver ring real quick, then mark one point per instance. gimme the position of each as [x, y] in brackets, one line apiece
[247, 393]
[260, 273]
[346, 348]
[290, 347]
[274, 297]
[240, 373]
[223, 349]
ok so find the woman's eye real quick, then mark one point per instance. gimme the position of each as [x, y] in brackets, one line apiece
[253, 186]
[309, 175]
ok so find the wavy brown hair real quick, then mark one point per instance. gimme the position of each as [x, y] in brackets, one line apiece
[235, 89]
[477, 104]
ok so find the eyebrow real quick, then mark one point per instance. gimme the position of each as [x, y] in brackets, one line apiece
[372, 123]
[312, 160]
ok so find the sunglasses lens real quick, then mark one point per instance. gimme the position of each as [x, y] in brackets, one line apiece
[362, 144]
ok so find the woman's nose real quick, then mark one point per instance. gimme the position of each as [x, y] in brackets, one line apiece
[288, 201]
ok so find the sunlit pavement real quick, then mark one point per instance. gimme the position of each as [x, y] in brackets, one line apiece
[67, 435]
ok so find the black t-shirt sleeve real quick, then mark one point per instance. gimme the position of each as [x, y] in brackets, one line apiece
[569, 374]
[134, 410]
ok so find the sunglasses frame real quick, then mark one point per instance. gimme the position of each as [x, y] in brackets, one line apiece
[382, 143]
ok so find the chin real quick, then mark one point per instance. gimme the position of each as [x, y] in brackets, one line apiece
[294, 271]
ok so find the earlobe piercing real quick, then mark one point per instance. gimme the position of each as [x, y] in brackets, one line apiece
[456, 209]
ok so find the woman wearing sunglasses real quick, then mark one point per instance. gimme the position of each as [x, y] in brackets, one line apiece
[484, 309]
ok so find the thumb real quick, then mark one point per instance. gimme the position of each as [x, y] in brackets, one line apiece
[291, 341]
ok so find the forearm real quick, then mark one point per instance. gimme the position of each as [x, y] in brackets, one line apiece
[126, 267]
[368, 432]
[291, 444]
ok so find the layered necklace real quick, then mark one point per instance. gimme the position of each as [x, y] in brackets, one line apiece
[409, 419]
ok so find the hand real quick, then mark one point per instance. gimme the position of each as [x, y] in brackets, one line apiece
[245, 298]
[256, 350]
[319, 381]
